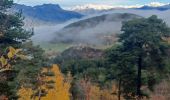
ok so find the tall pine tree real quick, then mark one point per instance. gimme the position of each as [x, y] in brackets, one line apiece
[143, 50]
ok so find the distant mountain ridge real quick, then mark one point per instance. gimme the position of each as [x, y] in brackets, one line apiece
[47, 13]
[161, 8]
[89, 9]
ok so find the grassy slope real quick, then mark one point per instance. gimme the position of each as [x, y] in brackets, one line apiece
[59, 47]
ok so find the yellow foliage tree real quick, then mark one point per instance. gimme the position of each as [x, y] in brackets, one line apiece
[61, 87]
[25, 93]
[59, 90]
[8, 57]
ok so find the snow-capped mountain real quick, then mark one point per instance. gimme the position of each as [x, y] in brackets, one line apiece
[156, 4]
[98, 8]
[89, 9]
[106, 7]
[92, 6]
[101, 7]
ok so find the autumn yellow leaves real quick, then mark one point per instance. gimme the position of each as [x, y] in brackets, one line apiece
[54, 87]
[61, 88]
[51, 84]
[7, 57]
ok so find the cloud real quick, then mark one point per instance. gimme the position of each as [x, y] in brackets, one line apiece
[91, 35]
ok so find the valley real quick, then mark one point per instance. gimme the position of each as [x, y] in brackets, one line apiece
[102, 27]
[84, 50]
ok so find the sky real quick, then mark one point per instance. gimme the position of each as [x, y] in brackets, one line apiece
[72, 3]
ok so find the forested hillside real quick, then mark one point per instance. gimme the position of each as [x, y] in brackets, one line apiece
[136, 67]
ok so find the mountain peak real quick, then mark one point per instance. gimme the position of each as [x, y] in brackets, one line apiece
[49, 6]
[52, 13]
[107, 7]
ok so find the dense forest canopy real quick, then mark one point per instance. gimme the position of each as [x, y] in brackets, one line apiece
[131, 69]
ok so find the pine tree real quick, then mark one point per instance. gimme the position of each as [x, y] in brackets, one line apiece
[143, 48]
[11, 34]
[11, 31]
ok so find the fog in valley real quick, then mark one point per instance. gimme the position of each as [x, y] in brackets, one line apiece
[48, 33]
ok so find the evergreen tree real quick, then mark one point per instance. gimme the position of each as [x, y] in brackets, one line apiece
[123, 71]
[11, 31]
[11, 34]
[143, 50]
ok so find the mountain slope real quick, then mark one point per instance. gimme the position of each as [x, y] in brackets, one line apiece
[92, 22]
[96, 30]
[47, 13]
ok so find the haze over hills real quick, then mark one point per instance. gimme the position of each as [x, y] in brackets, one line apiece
[86, 30]
[92, 28]
[54, 14]
[95, 30]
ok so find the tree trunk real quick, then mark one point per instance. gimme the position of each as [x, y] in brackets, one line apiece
[119, 89]
[139, 76]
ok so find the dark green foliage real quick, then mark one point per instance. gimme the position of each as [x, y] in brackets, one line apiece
[4, 4]
[124, 71]
[96, 70]
[146, 40]
[83, 62]
[29, 70]
[13, 34]
[26, 70]
[11, 31]
[4, 87]
[142, 53]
